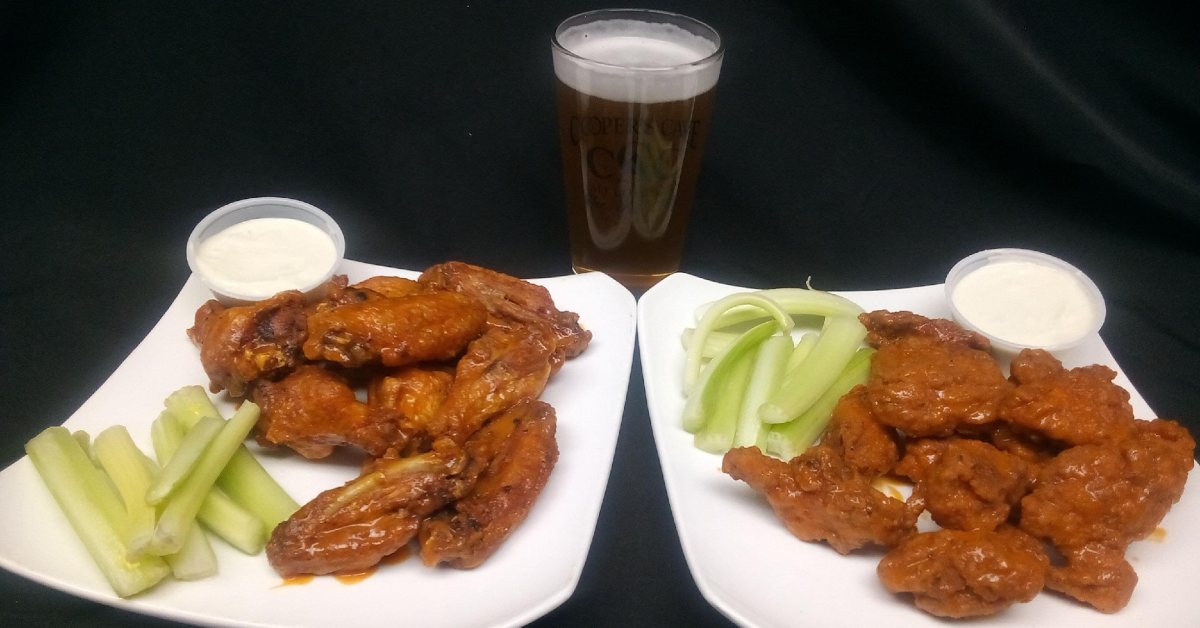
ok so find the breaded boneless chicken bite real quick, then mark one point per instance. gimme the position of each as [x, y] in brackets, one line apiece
[819, 497]
[957, 573]
[1092, 501]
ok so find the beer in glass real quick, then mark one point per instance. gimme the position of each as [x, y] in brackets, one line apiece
[635, 94]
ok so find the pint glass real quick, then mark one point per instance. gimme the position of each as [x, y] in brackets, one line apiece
[635, 93]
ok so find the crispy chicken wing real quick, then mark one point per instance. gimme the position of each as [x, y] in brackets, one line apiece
[390, 287]
[395, 331]
[820, 498]
[356, 525]
[313, 410]
[502, 367]
[511, 299]
[473, 527]
[242, 344]
[414, 393]
[955, 573]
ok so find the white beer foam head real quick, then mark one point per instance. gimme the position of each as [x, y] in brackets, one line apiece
[635, 61]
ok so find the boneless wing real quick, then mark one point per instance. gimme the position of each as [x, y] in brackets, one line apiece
[956, 573]
[820, 498]
[926, 387]
[1077, 406]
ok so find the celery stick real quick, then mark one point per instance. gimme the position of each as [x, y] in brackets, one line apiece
[791, 439]
[708, 323]
[184, 458]
[94, 510]
[244, 478]
[125, 465]
[840, 338]
[764, 378]
[220, 514]
[195, 560]
[803, 348]
[794, 301]
[133, 473]
[718, 432]
[713, 345]
[183, 505]
[699, 403]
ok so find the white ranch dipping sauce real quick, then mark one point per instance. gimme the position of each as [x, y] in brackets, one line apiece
[259, 257]
[1026, 303]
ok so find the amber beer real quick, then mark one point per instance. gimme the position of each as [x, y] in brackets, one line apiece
[635, 94]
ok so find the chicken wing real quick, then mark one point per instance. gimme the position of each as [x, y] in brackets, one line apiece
[356, 525]
[473, 527]
[414, 393]
[313, 410]
[243, 344]
[504, 366]
[511, 299]
[395, 331]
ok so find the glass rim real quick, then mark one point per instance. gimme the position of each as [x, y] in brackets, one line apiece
[665, 17]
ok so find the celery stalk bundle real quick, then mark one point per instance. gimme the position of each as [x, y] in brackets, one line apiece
[756, 387]
[140, 521]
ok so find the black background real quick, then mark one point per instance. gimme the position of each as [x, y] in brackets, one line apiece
[866, 145]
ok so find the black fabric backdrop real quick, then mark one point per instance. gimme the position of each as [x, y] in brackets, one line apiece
[865, 144]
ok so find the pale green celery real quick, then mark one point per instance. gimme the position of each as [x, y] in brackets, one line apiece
[803, 348]
[719, 428]
[125, 465]
[794, 301]
[220, 514]
[713, 345]
[184, 459]
[244, 478]
[181, 508]
[698, 405]
[709, 322]
[768, 371]
[133, 473]
[195, 560]
[94, 510]
[788, 440]
[840, 338]
[85, 442]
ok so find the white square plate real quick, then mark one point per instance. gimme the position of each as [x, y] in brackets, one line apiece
[535, 571]
[753, 570]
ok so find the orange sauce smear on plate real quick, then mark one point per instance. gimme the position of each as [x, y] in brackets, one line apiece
[354, 577]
